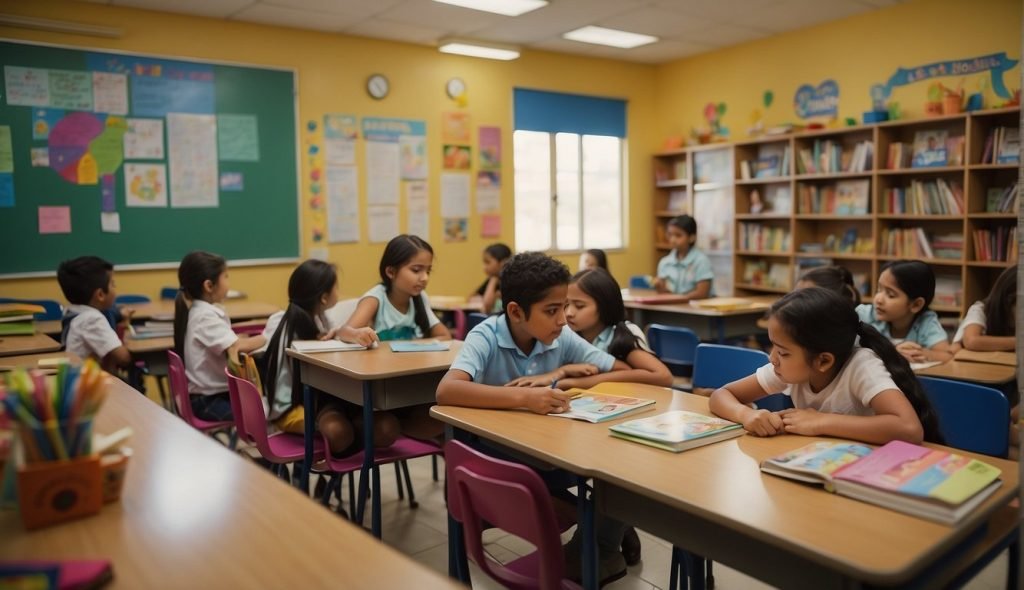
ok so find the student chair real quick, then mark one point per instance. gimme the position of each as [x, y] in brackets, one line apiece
[676, 347]
[639, 282]
[130, 299]
[179, 391]
[714, 365]
[482, 491]
[474, 318]
[53, 309]
[338, 315]
[169, 293]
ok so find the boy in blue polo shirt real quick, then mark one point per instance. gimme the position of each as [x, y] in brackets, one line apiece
[685, 270]
[514, 360]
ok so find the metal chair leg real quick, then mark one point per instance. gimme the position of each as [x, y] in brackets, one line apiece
[398, 480]
[408, 484]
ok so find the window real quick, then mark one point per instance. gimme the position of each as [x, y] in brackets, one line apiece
[568, 172]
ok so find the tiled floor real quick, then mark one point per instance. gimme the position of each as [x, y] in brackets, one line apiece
[421, 533]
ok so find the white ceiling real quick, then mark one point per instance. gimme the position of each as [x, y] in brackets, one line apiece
[686, 27]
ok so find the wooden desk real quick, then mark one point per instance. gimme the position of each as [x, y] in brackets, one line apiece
[452, 303]
[195, 515]
[236, 310]
[710, 324]
[31, 361]
[374, 379]
[714, 501]
[16, 345]
[984, 373]
[49, 327]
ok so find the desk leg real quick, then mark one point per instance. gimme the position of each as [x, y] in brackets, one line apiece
[307, 427]
[717, 328]
[585, 516]
[458, 561]
[368, 470]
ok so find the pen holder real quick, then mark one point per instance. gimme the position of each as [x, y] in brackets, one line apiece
[114, 467]
[51, 492]
[53, 440]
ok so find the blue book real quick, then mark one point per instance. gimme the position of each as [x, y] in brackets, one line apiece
[406, 346]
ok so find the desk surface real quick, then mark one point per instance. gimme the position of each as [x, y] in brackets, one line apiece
[453, 303]
[13, 345]
[236, 310]
[194, 514]
[137, 346]
[380, 362]
[31, 361]
[49, 327]
[758, 305]
[875, 543]
[986, 373]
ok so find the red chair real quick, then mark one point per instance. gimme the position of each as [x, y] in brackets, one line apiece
[512, 497]
[179, 391]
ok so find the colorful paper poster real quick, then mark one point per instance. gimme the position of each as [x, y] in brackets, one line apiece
[6, 189]
[454, 195]
[108, 190]
[232, 182]
[390, 130]
[457, 157]
[417, 209]
[110, 93]
[55, 220]
[817, 101]
[455, 127]
[149, 67]
[490, 225]
[382, 223]
[339, 151]
[110, 222]
[43, 121]
[108, 147]
[161, 97]
[413, 154]
[342, 205]
[6, 149]
[192, 156]
[340, 127]
[144, 139]
[27, 86]
[69, 145]
[71, 90]
[456, 230]
[489, 147]
[145, 185]
[381, 173]
[41, 157]
[87, 171]
[238, 138]
[488, 191]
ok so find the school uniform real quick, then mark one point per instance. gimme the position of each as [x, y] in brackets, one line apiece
[391, 324]
[926, 329]
[88, 332]
[975, 316]
[683, 274]
[604, 339]
[286, 411]
[208, 336]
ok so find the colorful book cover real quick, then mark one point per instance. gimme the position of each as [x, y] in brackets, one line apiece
[406, 346]
[852, 197]
[1009, 146]
[929, 149]
[599, 407]
[677, 426]
[821, 459]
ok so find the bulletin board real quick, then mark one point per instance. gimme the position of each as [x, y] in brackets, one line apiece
[139, 159]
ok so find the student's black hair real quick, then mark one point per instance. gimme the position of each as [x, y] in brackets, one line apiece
[686, 223]
[820, 320]
[499, 252]
[195, 269]
[611, 311]
[309, 282]
[527, 277]
[399, 251]
[999, 318]
[600, 257]
[79, 278]
[915, 278]
[834, 278]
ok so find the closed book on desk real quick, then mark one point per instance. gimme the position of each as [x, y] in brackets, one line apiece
[24, 328]
[993, 358]
[407, 346]
[722, 303]
[665, 298]
[677, 431]
[324, 346]
[59, 575]
[928, 483]
[601, 407]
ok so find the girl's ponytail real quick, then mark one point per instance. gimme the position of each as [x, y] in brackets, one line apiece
[181, 306]
[623, 341]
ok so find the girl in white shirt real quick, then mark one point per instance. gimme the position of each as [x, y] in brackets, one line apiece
[990, 323]
[203, 336]
[866, 393]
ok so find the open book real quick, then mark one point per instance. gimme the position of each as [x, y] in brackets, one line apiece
[993, 358]
[927, 483]
[600, 407]
[677, 430]
[429, 346]
[324, 346]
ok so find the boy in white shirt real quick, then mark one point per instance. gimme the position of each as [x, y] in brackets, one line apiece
[88, 285]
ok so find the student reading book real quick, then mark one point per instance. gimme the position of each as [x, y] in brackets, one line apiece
[928, 483]
[599, 407]
[677, 431]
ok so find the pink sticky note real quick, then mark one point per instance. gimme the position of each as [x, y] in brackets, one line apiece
[490, 226]
[55, 220]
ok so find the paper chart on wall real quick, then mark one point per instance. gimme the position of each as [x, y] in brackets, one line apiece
[110, 222]
[27, 86]
[342, 205]
[145, 185]
[110, 93]
[488, 191]
[71, 90]
[413, 156]
[238, 138]
[382, 223]
[454, 195]
[192, 147]
[417, 209]
[339, 151]
[382, 173]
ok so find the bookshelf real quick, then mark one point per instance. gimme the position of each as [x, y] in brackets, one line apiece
[671, 191]
[835, 194]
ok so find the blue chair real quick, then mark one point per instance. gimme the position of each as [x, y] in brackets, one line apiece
[639, 282]
[169, 293]
[130, 299]
[976, 419]
[54, 310]
[675, 346]
[472, 319]
[714, 365]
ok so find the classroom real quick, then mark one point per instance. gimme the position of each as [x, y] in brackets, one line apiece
[742, 169]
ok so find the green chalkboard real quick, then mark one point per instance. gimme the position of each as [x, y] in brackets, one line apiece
[249, 212]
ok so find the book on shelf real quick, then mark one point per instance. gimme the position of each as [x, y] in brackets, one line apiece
[1001, 200]
[955, 150]
[601, 407]
[863, 157]
[772, 161]
[679, 201]
[852, 197]
[930, 149]
[1002, 146]
[755, 237]
[677, 430]
[759, 273]
[927, 197]
[745, 170]
[991, 357]
[849, 243]
[898, 156]
[948, 291]
[948, 246]
[910, 242]
[996, 245]
[778, 199]
[324, 346]
[927, 483]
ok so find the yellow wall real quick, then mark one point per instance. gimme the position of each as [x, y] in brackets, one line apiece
[332, 70]
[857, 52]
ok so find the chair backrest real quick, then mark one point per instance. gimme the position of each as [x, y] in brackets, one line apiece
[253, 423]
[169, 293]
[236, 407]
[639, 282]
[474, 318]
[714, 365]
[674, 345]
[130, 299]
[511, 497]
[971, 417]
[54, 310]
[338, 315]
[179, 386]
[775, 402]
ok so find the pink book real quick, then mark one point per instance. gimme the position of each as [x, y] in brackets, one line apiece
[84, 574]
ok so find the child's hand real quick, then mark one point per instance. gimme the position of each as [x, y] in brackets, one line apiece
[533, 381]
[763, 423]
[807, 421]
[660, 285]
[547, 401]
[362, 336]
[330, 335]
[912, 351]
[579, 370]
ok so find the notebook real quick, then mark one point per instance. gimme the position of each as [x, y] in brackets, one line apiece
[407, 346]
[324, 346]
[993, 358]
[677, 430]
[601, 407]
[59, 575]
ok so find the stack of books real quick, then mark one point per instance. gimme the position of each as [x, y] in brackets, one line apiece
[948, 246]
[152, 329]
[899, 156]
[929, 197]
[759, 273]
[848, 197]
[1001, 200]
[677, 431]
[755, 237]
[909, 242]
[16, 319]
[1002, 146]
[949, 291]
[996, 245]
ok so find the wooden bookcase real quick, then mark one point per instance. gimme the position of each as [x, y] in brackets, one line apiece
[791, 233]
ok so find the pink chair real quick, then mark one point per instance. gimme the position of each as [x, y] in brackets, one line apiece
[179, 391]
[513, 498]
